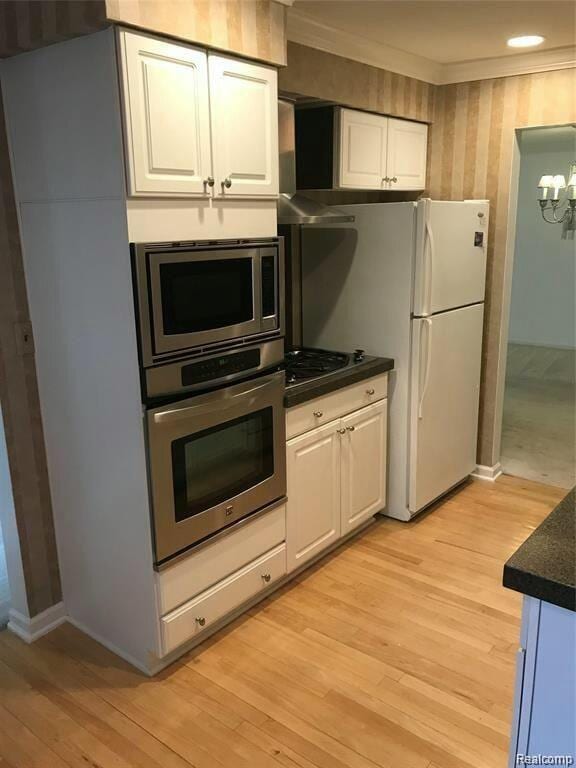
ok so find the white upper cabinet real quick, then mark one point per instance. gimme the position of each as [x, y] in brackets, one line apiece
[167, 123]
[197, 124]
[362, 149]
[363, 465]
[406, 155]
[244, 117]
[377, 152]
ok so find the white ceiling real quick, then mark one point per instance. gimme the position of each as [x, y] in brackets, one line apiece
[444, 33]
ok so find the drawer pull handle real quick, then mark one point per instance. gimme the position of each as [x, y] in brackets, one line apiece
[341, 431]
[266, 577]
[370, 391]
[350, 429]
[318, 414]
[201, 620]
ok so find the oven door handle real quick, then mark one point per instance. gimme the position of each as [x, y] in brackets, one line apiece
[215, 403]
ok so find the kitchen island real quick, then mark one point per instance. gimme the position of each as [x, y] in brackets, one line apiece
[544, 570]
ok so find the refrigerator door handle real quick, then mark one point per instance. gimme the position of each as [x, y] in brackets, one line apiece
[428, 325]
[429, 266]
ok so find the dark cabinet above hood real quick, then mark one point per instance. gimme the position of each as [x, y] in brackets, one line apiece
[294, 207]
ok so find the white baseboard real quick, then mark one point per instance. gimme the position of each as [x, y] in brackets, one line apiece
[30, 629]
[488, 473]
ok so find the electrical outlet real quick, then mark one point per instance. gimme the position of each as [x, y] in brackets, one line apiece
[24, 338]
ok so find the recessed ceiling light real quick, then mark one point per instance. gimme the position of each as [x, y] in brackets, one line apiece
[525, 41]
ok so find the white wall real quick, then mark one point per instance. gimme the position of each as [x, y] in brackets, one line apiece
[544, 280]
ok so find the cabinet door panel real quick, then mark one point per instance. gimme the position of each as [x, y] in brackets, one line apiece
[313, 508]
[244, 117]
[406, 154]
[362, 150]
[166, 116]
[363, 465]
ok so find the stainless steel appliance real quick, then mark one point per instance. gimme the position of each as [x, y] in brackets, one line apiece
[195, 297]
[214, 459]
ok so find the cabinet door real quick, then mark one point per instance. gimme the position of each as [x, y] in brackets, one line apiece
[363, 465]
[244, 119]
[362, 139]
[313, 508]
[166, 113]
[406, 154]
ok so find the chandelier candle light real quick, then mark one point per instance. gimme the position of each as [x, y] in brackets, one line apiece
[550, 188]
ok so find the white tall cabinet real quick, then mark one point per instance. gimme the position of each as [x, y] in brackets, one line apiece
[197, 124]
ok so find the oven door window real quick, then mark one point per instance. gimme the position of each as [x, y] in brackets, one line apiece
[213, 466]
[205, 295]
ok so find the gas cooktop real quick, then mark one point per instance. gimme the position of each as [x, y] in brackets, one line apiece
[304, 363]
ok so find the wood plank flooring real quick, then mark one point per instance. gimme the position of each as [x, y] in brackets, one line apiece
[397, 651]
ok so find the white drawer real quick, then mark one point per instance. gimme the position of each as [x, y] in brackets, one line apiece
[198, 615]
[214, 562]
[321, 410]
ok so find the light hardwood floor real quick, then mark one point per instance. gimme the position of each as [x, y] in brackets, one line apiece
[396, 651]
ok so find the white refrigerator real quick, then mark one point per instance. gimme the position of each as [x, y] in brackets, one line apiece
[407, 280]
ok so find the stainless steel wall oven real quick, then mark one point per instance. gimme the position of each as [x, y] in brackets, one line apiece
[214, 459]
[210, 319]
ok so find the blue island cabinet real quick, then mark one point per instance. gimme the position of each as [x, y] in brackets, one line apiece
[544, 723]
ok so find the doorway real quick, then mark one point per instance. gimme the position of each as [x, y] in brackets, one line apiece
[538, 427]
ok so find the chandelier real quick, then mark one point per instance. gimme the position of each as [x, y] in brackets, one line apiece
[553, 190]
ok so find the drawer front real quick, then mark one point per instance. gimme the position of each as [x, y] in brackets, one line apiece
[214, 562]
[321, 410]
[196, 616]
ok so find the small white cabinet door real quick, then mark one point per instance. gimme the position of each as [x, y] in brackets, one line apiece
[406, 154]
[244, 119]
[167, 117]
[362, 150]
[313, 507]
[363, 465]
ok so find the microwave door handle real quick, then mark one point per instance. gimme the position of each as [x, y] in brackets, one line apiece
[257, 288]
[217, 403]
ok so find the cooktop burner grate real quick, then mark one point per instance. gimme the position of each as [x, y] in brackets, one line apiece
[303, 364]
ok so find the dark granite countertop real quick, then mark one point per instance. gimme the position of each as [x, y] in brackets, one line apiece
[343, 377]
[545, 565]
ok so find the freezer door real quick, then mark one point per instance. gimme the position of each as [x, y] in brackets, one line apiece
[444, 396]
[450, 267]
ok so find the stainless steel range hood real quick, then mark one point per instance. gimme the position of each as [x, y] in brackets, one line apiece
[294, 207]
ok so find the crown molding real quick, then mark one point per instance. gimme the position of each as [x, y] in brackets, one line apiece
[305, 30]
[308, 31]
[506, 66]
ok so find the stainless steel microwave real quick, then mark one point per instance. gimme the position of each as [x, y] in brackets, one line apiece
[193, 297]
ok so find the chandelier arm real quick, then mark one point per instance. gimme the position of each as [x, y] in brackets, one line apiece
[554, 220]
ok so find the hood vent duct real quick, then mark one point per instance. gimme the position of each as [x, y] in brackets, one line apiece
[294, 207]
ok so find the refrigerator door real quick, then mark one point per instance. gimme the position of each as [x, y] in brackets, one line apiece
[450, 267]
[444, 396]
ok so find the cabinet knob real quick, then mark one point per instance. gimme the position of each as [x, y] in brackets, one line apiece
[341, 431]
[385, 179]
[209, 182]
[370, 391]
[201, 620]
[350, 429]
[266, 577]
[227, 182]
[394, 179]
[318, 414]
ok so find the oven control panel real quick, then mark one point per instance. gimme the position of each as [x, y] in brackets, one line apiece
[215, 368]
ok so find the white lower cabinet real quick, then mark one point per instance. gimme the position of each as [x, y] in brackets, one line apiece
[363, 465]
[313, 479]
[200, 613]
[336, 477]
